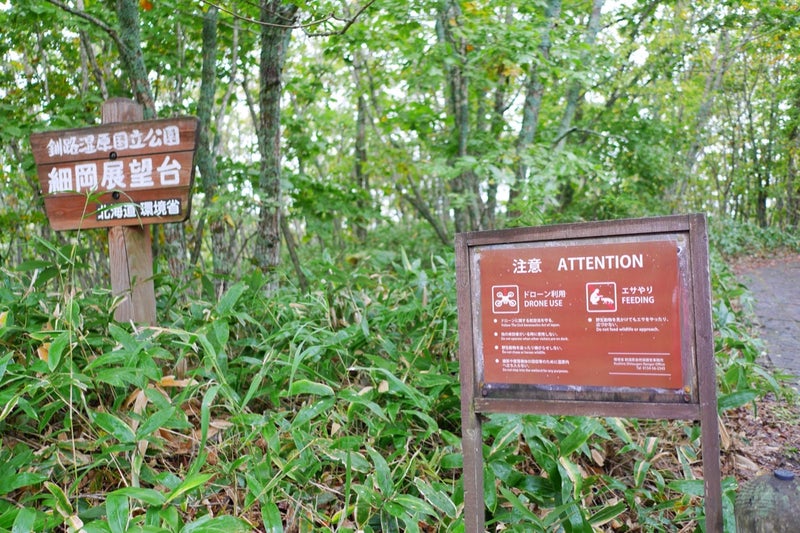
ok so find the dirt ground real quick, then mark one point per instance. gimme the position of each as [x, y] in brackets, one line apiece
[762, 439]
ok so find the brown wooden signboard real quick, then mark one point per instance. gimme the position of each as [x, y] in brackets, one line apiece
[120, 174]
[597, 319]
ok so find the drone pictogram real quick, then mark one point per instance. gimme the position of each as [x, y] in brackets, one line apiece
[505, 299]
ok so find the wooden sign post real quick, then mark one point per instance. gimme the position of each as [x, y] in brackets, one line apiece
[597, 319]
[123, 175]
[130, 248]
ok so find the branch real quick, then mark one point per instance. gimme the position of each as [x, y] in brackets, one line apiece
[257, 22]
[422, 207]
[348, 22]
[91, 18]
[572, 130]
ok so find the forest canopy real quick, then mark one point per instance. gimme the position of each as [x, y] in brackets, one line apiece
[338, 119]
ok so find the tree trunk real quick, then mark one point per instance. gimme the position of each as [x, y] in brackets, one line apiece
[206, 162]
[534, 90]
[291, 247]
[361, 176]
[575, 86]
[277, 19]
[89, 61]
[133, 59]
[716, 72]
[422, 208]
[792, 201]
[132, 56]
[467, 210]
[573, 97]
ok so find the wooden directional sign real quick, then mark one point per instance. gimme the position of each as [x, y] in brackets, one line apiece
[121, 174]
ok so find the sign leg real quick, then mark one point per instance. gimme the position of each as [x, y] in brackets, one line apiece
[130, 253]
[472, 449]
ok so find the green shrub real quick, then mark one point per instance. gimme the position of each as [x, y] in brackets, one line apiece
[332, 410]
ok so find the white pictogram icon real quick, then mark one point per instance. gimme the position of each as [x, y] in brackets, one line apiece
[601, 297]
[505, 299]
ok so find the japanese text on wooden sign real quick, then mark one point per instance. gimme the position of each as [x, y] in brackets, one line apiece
[129, 173]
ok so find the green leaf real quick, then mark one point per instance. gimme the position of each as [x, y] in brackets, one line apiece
[154, 422]
[574, 474]
[63, 507]
[490, 490]
[219, 524]
[689, 487]
[383, 475]
[117, 512]
[640, 470]
[17, 480]
[205, 421]
[56, 351]
[4, 363]
[255, 384]
[312, 411]
[304, 386]
[736, 399]
[188, 484]
[399, 386]
[522, 509]
[271, 518]
[507, 435]
[116, 427]
[578, 437]
[10, 404]
[230, 298]
[300, 356]
[25, 520]
[608, 514]
[414, 505]
[356, 400]
[439, 499]
[118, 377]
[148, 496]
[618, 426]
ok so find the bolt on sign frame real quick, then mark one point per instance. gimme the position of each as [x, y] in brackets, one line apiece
[592, 319]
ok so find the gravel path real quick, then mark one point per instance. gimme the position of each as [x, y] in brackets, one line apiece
[775, 286]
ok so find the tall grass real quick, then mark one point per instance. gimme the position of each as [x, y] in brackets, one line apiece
[331, 410]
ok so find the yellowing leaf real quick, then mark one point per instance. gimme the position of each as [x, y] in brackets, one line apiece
[43, 351]
[598, 457]
[170, 381]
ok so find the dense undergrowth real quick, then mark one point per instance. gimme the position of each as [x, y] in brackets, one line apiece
[331, 410]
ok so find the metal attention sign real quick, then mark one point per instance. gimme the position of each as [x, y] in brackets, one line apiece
[121, 174]
[594, 319]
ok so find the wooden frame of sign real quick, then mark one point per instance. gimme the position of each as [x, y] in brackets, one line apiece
[593, 319]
